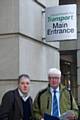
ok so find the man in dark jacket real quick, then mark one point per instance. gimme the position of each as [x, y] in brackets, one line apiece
[17, 104]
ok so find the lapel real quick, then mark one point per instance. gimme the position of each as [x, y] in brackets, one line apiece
[18, 101]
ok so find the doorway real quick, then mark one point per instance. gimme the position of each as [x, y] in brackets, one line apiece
[68, 66]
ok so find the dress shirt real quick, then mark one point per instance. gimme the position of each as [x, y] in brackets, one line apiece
[23, 96]
[58, 98]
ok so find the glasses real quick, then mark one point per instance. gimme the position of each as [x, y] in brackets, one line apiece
[50, 77]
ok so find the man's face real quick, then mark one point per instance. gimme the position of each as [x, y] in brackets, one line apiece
[54, 81]
[24, 85]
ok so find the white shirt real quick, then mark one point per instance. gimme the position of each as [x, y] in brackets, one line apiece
[23, 96]
[58, 98]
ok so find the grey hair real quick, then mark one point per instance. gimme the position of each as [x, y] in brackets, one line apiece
[22, 76]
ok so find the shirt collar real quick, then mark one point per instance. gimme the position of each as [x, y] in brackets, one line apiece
[51, 89]
[22, 95]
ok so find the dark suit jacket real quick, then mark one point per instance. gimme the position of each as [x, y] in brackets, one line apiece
[11, 106]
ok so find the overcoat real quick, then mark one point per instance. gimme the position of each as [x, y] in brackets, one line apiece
[11, 107]
[42, 102]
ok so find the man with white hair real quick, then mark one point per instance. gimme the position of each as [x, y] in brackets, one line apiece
[55, 99]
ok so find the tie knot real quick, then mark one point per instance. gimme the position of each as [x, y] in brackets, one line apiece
[54, 91]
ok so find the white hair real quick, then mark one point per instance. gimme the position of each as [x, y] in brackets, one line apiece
[54, 72]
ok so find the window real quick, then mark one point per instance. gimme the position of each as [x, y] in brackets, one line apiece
[63, 2]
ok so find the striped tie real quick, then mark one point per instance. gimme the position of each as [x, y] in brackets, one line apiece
[55, 105]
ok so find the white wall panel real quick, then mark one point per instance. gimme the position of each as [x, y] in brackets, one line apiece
[8, 57]
[36, 58]
[30, 19]
[9, 16]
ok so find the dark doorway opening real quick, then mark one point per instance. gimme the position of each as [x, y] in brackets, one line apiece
[68, 66]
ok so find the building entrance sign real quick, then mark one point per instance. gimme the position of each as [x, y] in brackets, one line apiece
[61, 23]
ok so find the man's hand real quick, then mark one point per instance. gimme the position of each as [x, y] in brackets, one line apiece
[42, 118]
[71, 117]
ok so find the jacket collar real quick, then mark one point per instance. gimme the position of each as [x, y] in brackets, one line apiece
[61, 87]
